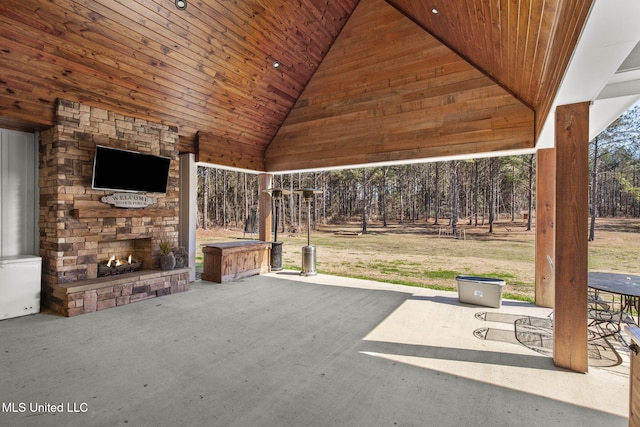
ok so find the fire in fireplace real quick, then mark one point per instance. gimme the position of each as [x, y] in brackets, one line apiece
[115, 265]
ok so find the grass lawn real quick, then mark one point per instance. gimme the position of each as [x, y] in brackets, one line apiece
[414, 255]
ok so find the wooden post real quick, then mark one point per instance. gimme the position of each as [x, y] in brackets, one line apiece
[571, 231]
[264, 223]
[545, 219]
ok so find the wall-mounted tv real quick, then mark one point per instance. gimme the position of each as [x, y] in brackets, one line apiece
[123, 170]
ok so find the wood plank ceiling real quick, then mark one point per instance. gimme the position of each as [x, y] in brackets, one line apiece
[395, 95]
[524, 45]
[208, 71]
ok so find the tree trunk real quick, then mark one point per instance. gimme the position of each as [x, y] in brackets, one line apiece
[427, 196]
[364, 200]
[384, 196]
[530, 192]
[513, 193]
[401, 181]
[315, 204]
[236, 214]
[492, 198]
[224, 198]
[436, 213]
[245, 196]
[594, 192]
[292, 204]
[205, 198]
[216, 204]
[454, 196]
[414, 194]
[324, 197]
[300, 203]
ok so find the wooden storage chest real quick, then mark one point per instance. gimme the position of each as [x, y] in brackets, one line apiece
[227, 261]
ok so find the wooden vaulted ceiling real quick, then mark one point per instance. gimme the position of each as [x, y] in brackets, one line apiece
[360, 81]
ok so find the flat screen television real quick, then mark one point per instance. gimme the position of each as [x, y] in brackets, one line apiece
[123, 170]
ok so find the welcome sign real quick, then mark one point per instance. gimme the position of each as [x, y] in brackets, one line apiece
[129, 200]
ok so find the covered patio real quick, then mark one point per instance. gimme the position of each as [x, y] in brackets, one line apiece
[279, 349]
[273, 88]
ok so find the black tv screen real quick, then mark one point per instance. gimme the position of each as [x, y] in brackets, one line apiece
[124, 170]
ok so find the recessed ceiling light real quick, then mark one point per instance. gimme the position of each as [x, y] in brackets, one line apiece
[181, 4]
[435, 10]
[276, 64]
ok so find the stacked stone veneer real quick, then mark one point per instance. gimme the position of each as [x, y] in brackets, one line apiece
[87, 296]
[70, 244]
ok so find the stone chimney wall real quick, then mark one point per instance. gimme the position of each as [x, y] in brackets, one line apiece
[73, 220]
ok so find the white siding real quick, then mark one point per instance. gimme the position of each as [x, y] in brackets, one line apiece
[18, 193]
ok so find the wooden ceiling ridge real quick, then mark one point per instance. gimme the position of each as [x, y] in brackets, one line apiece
[524, 45]
[316, 69]
[466, 58]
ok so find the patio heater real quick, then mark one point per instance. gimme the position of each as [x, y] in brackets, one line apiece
[308, 252]
[276, 247]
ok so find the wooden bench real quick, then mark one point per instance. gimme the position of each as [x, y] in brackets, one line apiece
[347, 233]
[227, 261]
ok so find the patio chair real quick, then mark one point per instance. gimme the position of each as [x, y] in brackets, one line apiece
[606, 317]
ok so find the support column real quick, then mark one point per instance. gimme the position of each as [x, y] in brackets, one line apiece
[571, 231]
[545, 219]
[188, 209]
[264, 223]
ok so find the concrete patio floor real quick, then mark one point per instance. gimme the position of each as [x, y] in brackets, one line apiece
[285, 350]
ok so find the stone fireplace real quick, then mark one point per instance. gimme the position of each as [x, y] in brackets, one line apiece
[78, 230]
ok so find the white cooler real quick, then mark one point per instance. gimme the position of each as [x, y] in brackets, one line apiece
[19, 285]
[483, 291]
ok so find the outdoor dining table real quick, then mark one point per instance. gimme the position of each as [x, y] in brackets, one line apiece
[627, 286]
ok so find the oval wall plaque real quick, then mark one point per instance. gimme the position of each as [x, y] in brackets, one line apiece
[129, 200]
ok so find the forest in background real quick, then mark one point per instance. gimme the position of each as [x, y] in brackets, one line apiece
[450, 193]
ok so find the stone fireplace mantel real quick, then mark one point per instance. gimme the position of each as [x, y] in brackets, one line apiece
[121, 213]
